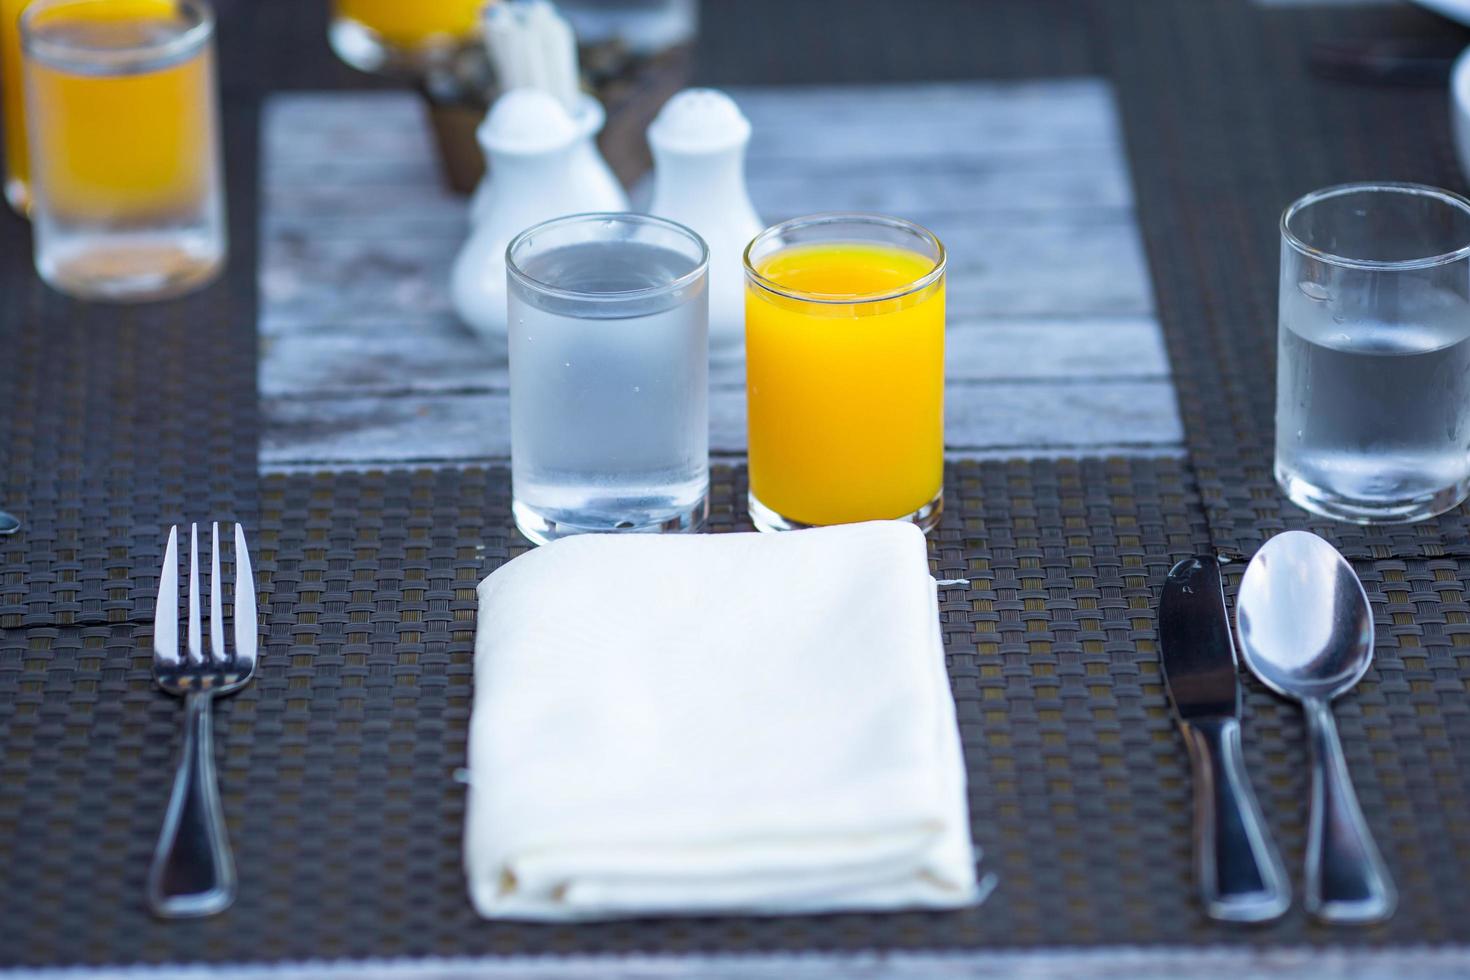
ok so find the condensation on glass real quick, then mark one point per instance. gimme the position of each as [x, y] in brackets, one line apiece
[608, 326]
[1373, 352]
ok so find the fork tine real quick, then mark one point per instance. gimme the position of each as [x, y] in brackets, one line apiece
[166, 610]
[216, 604]
[196, 653]
[247, 630]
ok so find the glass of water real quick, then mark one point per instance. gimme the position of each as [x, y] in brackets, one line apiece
[124, 146]
[1373, 370]
[609, 376]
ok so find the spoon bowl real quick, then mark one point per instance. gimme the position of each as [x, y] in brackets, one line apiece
[1306, 629]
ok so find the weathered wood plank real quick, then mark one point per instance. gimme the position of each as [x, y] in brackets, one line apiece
[1046, 264]
[1080, 415]
[335, 280]
[1043, 265]
[403, 190]
[966, 187]
[1094, 963]
[429, 429]
[899, 121]
[439, 355]
[289, 183]
[988, 417]
[329, 126]
[1083, 100]
[430, 356]
[1057, 349]
[916, 119]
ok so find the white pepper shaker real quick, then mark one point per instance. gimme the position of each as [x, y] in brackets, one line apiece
[698, 141]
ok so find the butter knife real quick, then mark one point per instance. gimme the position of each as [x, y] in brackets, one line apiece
[1237, 868]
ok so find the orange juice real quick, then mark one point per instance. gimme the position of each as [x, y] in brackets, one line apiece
[845, 379]
[12, 104]
[129, 145]
[126, 195]
[412, 23]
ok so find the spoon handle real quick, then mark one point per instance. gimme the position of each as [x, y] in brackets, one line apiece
[1347, 881]
[1237, 868]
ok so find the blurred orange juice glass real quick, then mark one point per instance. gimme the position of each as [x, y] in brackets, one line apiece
[374, 35]
[122, 118]
[12, 105]
[844, 335]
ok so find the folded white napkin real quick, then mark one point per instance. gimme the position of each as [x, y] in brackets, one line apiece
[715, 723]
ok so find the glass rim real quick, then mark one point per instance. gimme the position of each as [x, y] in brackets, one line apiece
[90, 58]
[1408, 188]
[701, 267]
[928, 279]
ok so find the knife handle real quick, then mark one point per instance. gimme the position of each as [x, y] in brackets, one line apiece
[1240, 875]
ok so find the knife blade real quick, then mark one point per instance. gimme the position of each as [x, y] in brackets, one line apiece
[1198, 651]
[1237, 868]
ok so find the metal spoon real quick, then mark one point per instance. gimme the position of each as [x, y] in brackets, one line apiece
[1307, 632]
[9, 523]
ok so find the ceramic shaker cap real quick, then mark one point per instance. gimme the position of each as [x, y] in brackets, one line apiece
[527, 121]
[699, 120]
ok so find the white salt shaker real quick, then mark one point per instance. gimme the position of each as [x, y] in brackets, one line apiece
[698, 142]
[541, 163]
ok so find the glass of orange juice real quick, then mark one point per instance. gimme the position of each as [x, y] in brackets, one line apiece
[844, 339]
[124, 148]
[401, 35]
[12, 105]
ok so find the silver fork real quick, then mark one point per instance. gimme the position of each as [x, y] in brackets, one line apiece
[193, 873]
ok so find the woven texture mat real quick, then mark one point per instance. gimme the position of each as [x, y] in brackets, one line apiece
[337, 764]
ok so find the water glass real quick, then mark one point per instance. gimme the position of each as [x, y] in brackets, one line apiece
[401, 35]
[1373, 355]
[609, 376]
[124, 146]
[643, 27]
[844, 341]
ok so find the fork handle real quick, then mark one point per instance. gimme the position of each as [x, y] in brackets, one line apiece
[193, 873]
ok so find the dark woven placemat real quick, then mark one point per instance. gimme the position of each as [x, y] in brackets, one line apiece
[337, 764]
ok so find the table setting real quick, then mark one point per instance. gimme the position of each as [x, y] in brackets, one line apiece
[994, 511]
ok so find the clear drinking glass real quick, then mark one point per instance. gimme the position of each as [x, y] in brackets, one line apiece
[1373, 369]
[609, 376]
[401, 35]
[844, 350]
[124, 146]
[642, 26]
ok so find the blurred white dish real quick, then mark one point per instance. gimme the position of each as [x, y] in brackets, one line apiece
[1460, 110]
[1453, 9]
